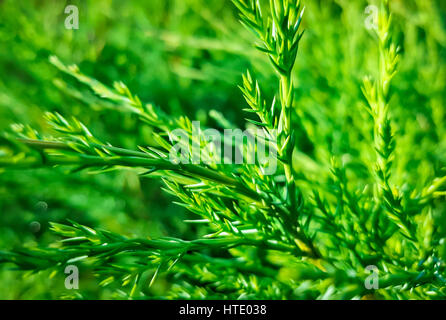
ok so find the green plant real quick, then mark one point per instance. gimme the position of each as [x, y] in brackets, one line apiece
[308, 231]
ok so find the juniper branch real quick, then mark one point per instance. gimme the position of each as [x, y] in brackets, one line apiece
[377, 95]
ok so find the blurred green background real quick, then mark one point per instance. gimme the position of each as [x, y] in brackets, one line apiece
[187, 57]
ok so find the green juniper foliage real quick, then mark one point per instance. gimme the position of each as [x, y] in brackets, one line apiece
[357, 187]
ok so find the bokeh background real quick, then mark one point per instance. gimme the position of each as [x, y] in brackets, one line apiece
[187, 57]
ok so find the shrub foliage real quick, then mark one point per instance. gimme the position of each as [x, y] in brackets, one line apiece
[360, 180]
